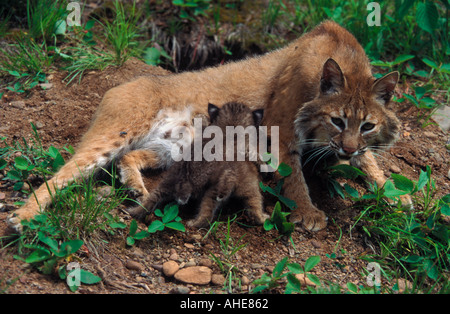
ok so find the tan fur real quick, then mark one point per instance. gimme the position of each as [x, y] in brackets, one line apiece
[280, 82]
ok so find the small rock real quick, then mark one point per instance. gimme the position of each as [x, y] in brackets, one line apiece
[395, 169]
[404, 285]
[190, 263]
[218, 279]
[174, 256]
[46, 85]
[205, 262]
[2, 196]
[189, 245]
[19, 104]
[430, 135]
[316, 244]
[39, 125]
[170, 268]
[198, 275]
[180, 290]
[132, 265]
[245, 281]
[105, 191]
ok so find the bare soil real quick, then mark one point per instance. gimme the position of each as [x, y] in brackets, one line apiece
[63, 114]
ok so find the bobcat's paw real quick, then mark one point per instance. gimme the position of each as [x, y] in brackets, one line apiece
[14, 220]
[311, 219]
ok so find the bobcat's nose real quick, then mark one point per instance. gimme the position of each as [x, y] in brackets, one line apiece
[349, 149]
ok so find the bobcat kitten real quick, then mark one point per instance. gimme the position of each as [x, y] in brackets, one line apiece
[213, 182]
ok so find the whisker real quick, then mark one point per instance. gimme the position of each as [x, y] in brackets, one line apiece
[325, 154]
[314, 153]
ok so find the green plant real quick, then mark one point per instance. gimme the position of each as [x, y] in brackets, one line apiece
[268, 282]
[31, 159]
[48, 255]
[192, 7]
[25, 62]
[44, 17]
[122, 33]
[425, 104]
[229, 248]
[416, 241]
[169, 219]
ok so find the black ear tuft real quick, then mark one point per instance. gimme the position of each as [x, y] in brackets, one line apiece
[332, 80]
[257, 116]
[213, 112]
[383, 88]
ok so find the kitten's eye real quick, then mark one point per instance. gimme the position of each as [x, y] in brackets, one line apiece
[338, 122]
[367, 127]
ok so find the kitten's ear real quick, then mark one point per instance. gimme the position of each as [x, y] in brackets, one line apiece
[383, 88]
[257, 116]
[332, 80]
[213, 111]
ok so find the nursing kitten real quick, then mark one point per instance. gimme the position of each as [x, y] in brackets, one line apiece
[213, 182]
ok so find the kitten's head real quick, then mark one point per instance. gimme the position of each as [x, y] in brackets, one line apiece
[234, 114]
[347, 120]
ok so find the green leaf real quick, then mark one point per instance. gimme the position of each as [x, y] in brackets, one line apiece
[351, 191]
[423, 180]
[445, 210]
[427, 16]
[311, 262]
[403, 183]
[170, 212]
[152, 56]
[159, 213]
[133, 227]
[430, 63]
[60, 27]
[156, 225]
[402, 58]
[178, 226]
[141, 235]
[293, 285]
[88, 278]
[295, 268]
[279, 267]
[130, 241]
[284, 169]
[431, 269]
[3, 164]
[69, 247]
[268, 225]
[38, 255]
[89, 24]
[21, 163]
[391, 192]
[52, 243]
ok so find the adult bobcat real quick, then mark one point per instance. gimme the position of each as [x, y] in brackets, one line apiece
[322, 82]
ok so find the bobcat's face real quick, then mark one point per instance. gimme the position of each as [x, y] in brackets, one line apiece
[347, 122]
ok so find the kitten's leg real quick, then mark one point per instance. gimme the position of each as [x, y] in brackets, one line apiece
[250, 190]
[368, 164]
[130, 166]
[207, 208]
[296, 189]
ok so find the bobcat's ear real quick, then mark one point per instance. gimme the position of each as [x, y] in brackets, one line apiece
[257, 116]
[383, 88]
[332, 80]
[213, 111]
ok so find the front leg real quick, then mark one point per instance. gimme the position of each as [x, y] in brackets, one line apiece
[296, 189]
[368, 164]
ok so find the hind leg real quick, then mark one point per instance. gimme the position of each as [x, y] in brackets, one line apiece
[80, 166]
[207, 208]
[249, 189]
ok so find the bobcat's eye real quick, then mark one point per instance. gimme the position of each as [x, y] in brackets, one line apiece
[338, 122]
[367, 127]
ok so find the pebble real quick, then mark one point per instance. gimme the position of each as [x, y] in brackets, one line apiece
[2, 196]
[218, 279]
[197, 275]
[180, 290]
[19, 104]
[430, 135]
[205, 262]
[39, 125]
[170, 268]
[132, 265]
[395, 169]
[316, 244]
[245, 281]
